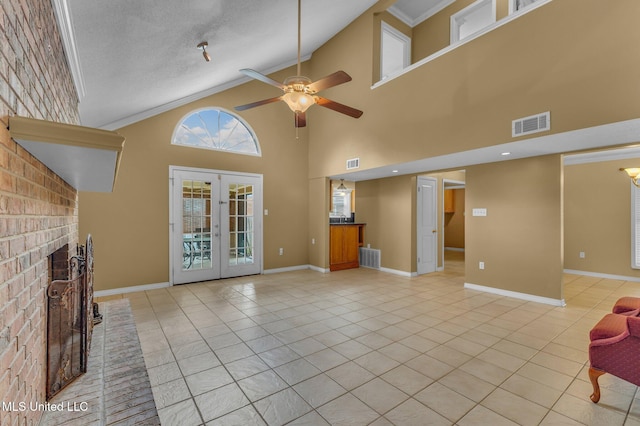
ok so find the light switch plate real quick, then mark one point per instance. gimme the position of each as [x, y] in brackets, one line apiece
[479, 212]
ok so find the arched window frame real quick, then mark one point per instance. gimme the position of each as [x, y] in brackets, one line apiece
[240, 120]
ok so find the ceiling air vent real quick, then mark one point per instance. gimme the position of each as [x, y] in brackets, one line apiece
[353, 163]
[532, 124]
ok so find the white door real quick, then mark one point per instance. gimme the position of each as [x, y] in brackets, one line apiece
[216, 225]
[241, 225]
[427, 225]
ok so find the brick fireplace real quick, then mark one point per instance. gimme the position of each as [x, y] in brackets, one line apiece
[38, 210]
[70, 316]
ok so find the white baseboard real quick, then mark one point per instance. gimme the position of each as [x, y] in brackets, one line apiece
[134, 289]
[397, 272]
[291, 268]
[516, 295]
[599, 275]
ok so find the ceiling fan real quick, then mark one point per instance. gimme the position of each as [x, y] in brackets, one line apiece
[300, 92]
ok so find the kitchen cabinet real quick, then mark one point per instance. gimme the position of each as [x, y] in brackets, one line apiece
[345, 242]
[449, 201]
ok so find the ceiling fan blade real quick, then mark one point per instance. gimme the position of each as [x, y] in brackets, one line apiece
[300, 119]
[334, 79]
[257, 103]
[255, 74]
[352, 112]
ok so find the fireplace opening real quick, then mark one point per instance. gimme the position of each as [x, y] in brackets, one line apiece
[71, 314]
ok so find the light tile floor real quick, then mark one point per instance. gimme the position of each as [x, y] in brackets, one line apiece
[366, 347]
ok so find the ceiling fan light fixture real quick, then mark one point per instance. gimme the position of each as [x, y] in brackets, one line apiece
[297, 95]
[298, 102]
[300, 92]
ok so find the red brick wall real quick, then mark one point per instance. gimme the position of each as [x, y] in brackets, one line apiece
[38, 211]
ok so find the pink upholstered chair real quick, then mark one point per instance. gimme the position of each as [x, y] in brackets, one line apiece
[627, 306]
[615, 349]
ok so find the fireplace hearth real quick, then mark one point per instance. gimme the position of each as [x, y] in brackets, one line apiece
[70, 315]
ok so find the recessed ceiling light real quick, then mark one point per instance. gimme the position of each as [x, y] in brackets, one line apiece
[505, 153]
[394, 171]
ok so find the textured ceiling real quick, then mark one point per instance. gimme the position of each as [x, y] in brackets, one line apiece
[134, 59]
[137, 58]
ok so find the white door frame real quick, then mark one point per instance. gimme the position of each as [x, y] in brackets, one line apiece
[420, 251]
[220, 173]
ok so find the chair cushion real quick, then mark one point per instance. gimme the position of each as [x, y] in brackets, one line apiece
[610, 325]
[627, 306]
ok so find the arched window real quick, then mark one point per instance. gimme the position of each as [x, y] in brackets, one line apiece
[218, 129]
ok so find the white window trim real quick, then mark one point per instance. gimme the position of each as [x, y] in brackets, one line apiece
[226, 111]
[512, 7]
[403, 38]
[458, 18]
[635, 226]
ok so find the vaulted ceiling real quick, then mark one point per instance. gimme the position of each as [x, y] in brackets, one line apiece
[133, 59]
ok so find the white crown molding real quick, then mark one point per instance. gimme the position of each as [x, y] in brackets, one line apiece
[65, 28]
[191, 98]
[412, 22]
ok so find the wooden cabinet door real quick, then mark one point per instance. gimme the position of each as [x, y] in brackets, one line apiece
[337, 247]
[343, 253]
[350, 244]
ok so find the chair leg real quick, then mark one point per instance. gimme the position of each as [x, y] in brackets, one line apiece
[593, 376]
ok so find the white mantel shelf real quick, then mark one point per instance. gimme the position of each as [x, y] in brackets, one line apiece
[86, 158]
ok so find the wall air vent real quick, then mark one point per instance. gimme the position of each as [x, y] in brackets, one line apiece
[353, 163]
[532, 124]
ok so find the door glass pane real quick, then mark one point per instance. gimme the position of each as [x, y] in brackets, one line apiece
[196, 225]
[241, 234]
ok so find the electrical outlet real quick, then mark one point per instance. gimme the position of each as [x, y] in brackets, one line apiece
[281, 251]
[313, 241]
[582, 255]
[481, 265]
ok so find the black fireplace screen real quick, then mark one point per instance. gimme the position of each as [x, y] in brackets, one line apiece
[70, 316]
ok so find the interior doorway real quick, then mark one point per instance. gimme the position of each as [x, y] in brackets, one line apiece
[215, 224]
[453, 224]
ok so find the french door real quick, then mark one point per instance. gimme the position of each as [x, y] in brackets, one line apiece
[215, 224]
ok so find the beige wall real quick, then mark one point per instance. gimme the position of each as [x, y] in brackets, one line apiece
[132, 223]
[387, 206]
[319, 223]
[598, 218]
[576, 68]
[520, 239]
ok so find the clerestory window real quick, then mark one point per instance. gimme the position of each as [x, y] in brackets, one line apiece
[472, 19]
[217, 129]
